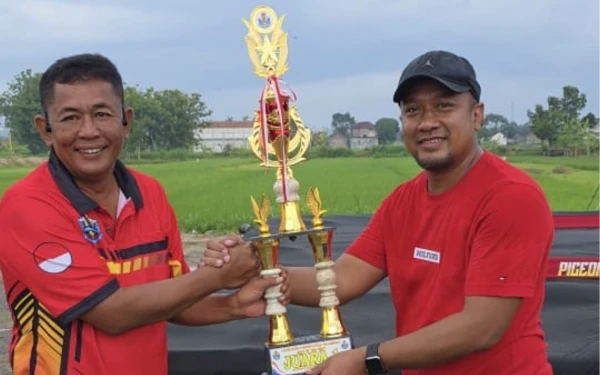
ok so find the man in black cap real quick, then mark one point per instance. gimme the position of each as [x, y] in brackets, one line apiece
[448, 76]
[465, 244]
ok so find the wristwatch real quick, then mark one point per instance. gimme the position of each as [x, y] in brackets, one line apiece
[373, 361]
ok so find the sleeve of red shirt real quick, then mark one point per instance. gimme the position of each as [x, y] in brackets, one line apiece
[46, 251]
[369, 246]
[511, 244]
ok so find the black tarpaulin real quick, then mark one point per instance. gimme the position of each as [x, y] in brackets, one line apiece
[570, 316]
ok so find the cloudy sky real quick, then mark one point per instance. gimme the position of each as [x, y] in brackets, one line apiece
[344, 55]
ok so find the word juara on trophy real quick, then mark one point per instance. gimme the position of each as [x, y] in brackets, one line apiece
[279, 140]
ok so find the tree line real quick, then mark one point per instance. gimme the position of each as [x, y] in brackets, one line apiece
[164, 119]
[560, 125]
[171, 119]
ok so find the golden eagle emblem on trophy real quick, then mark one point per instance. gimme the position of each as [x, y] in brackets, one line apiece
[266, 42]
[279, 138]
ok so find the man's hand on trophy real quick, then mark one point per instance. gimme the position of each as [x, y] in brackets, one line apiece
[351, 362]
[286, 293]
[249, 301]
[215, 257]
[243, 265]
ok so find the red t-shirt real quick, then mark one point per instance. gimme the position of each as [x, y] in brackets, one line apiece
[490, 235]
[61, 255]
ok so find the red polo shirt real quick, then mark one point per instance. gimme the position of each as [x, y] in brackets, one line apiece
[490, 235]
[62, 254]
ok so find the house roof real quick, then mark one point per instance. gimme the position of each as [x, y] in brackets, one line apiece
[230, 124]
[363, 125]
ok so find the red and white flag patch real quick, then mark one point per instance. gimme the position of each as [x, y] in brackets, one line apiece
[52, 257]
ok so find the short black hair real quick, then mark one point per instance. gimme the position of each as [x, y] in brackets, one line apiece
[79, 68]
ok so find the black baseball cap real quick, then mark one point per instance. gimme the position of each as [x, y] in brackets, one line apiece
[453, 71]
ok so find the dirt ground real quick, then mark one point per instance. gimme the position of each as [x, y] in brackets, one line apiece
[193, 244]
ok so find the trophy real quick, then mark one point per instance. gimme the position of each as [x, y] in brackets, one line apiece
[279, 140]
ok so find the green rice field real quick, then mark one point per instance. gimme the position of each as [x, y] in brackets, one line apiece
[214, 194]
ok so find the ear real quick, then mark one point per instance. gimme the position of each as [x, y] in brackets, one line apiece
[478, 116]
[40, 125]
[129, 118]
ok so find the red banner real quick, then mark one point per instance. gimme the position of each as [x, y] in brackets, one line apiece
[581, 220]
[573, 268]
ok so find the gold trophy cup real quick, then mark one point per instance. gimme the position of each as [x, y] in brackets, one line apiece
[279, 140]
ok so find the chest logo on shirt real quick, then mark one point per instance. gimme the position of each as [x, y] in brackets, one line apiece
[90, 229]
[427, 255]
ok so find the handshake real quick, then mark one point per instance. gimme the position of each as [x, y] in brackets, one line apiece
[240, 268]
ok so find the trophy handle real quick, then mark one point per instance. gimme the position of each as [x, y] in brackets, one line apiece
[272, 294]
[268, 252]
[326, 282]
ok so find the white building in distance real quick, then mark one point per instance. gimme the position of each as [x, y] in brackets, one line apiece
[220, 134]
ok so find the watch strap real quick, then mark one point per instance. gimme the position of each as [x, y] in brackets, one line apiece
[373, 362]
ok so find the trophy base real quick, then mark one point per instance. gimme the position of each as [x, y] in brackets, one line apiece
[306, 352]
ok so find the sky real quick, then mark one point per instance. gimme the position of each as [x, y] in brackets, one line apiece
[344, 56]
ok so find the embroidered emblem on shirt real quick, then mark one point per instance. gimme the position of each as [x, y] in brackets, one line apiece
[90, 229]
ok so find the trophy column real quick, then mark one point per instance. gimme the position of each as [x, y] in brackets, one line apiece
[289, 201]
[331, 319]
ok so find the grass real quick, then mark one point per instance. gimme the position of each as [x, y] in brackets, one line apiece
[214, 194]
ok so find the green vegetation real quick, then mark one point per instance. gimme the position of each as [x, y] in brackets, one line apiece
[211, 191]
[164, 119]
[213, 194]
